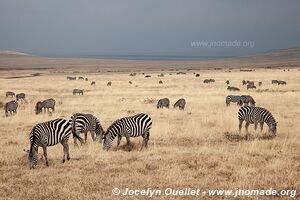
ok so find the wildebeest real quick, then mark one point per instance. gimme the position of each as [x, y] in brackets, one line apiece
[11, 108]
[130, 82]
[251, 87]
[77, 91]
[274, 81]
[281, 82]
[197, 75]
[165, 102]
[46, 105]
[93, 83]
[232, 88]
[20, 96]
[86, 79]
[209, 81]
[109, 83]
[160, 82]
[10, 93]
[80, 78]
[147, 76]
[180, 104]
[227, 82]
[250, 82]
[246, 99]
[71, 78]
[259, 83]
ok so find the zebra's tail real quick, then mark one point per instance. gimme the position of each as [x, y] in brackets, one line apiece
[73, 118]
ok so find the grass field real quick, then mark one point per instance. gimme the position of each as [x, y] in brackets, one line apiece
[197, 148]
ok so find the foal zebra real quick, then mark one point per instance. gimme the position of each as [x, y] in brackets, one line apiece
[82, 123]
[49, 134]
[233, 98]
[255, 115]
[134, 126]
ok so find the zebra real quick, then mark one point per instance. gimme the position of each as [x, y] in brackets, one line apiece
[209, 81]
[165, 102]
[232, 88]
[77, 91]
[281, 82]
[232, 98]
[20, 96]
[93, 83]
[134, 126]
[46, 104]
[251, 87]
[82, 123]
[108, 83]
[46, 134]
[255, 115]
[180, 104]
[11, 108]
[244, 82]
[274, 81]
[10, 93]
[71, 78]
[160, 82]
[246, 99]
[80, 78]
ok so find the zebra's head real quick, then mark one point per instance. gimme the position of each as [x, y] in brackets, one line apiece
[38, 107]
[32, 157]
[107, 142]
[273, 128]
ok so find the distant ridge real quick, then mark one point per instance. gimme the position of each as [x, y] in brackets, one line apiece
[12, 53]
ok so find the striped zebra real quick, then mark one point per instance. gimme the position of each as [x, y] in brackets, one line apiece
[47, 104]
[49, 134]
[10, 93]
[83, 123]
[20, 96]
[165, 102]
[255, 115]
[77, 91]
[10, 108]
[246, 99]
[134, 126]
[180, 104]
[232, 98]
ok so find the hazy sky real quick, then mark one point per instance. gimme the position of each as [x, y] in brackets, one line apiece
[152, 27]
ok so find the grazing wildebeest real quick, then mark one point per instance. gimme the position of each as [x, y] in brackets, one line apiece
[11, 108]
[10, 93]
[259, 83]
[281, 82]
[20, 96]
[227, 82]
[130, 82]
[109, 83]
[147, 76]
[80, 78]
[232, 88]
[160, 82]
[197, 75]
[71, 78]
[77, 91]
[180, 104]
[165, 102]
[46, 105]
[93, 83]
[274, 81]
[209, 81]
[251, 87]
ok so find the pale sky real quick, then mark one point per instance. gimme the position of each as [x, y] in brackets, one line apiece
[152, 27]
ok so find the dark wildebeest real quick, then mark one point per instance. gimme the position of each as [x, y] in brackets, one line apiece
[147, 76]
[180, 104]
[46, 105]
[20, 96]
[86, 79]
[259, 83]
[227, 82]
[165, 102]
[160, 82]
[197, 75]
[80, 78]
[77, 91]
[10, 93]
[251, 87]
[274, 81]
[232, 88]
[130, 82]
[281, 82]
[109, 83]
[11, 108]
[93, 83]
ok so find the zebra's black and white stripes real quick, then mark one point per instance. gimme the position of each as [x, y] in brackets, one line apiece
[134, 126]
[255, 115]
[82, 123]
[232, 98]
[48, 134]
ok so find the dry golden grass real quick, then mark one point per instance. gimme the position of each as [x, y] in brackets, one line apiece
[197, 147]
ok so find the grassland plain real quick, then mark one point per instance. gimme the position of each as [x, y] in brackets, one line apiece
[198, 147]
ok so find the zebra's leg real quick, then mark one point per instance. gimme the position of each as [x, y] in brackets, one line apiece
[246, 126]
[255, 125]
[93, 135]
[45, 154]
[261, 126]
[145, 140]
[128, 142]
[66, 150]
[240, 125]
[75, 142]
[85, 136]
[119, 141]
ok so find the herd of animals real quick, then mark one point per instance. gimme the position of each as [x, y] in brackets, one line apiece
[59, 130]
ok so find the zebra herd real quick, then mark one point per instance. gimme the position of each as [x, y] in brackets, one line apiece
[59, 130]
[165, 103]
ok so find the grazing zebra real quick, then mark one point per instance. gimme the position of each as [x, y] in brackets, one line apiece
[246, 99]
[10, 93]
[180, 104]
[20, 96]
[232, 98]
[281, 82]
[49, 134]
[227, 82]
[250, 82]
[46, 105]
[255, 115]
[274, 81]
[165, 102]
[160, 82]
[93, 83]
[82, 123]
[77, 91]
[109, 83]
[10, 108]
[251, 87]
[134, 126]
[259, 83]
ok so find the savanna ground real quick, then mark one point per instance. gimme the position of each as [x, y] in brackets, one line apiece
[198, 147]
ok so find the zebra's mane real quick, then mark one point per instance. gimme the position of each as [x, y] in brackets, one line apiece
[109, 132]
